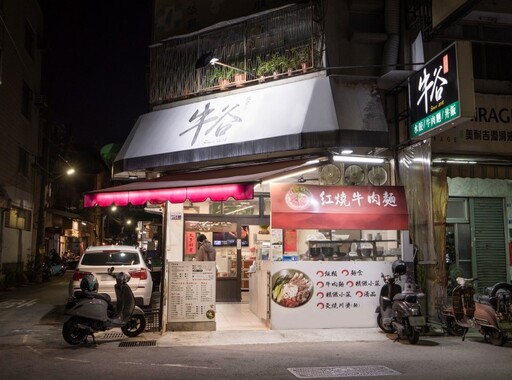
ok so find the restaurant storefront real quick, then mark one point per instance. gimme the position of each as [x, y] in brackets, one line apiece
[220, 148]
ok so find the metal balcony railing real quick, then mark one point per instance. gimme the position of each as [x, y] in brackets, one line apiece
[267, 46]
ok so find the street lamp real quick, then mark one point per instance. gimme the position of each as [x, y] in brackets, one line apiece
[46, 181]
[208, 59]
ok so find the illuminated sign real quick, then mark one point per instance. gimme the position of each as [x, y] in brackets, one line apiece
[442, 92]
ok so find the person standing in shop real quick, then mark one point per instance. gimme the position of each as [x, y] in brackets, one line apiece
[206, 251]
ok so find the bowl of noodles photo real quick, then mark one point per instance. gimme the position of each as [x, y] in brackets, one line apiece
[298, 197]
[291, 288]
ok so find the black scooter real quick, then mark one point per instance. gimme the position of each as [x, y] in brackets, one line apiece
[399, 311]
[92, 312]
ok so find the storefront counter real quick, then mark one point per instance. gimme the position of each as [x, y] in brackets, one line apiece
[318, 294]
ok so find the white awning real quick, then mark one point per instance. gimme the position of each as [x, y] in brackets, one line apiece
[280, 118]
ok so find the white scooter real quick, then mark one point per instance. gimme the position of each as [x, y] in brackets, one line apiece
[399, 311]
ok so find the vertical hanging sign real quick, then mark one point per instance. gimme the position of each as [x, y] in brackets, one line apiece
[441, 93]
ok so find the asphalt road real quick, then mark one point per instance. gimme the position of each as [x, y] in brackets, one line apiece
[32, 348]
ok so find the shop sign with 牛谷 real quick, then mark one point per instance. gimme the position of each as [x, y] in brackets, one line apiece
[441, 93]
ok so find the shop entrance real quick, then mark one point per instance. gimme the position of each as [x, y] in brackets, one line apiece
[234, 240]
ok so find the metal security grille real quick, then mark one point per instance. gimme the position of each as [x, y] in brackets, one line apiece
[489, 247]
[276, 41]
[138, 343]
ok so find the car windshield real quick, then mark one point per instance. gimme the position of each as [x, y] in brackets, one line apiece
[110, 258]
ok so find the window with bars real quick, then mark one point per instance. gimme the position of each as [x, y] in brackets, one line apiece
[18, 218]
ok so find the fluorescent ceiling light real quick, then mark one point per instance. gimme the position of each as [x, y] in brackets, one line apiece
[458, 162]
[369, 160]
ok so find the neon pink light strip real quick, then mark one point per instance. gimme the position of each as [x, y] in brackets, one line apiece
[173, 195]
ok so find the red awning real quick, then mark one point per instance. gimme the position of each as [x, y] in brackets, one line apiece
[338, 207]
[216, 185]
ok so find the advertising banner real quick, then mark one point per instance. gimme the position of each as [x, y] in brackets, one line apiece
[341, 207]
[326, 294]
[489, 131]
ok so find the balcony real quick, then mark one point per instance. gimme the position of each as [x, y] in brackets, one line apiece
[267, 46]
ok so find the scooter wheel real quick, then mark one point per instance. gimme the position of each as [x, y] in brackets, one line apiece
[135, 325]
[413, 336]
[383, 327]
[71, 333]
[453, 328]
[497, 338]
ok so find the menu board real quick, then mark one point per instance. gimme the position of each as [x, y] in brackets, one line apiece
[192, 291]
[326, 294]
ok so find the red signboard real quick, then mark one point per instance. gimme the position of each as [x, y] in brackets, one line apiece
[338, 207]
[190, 243]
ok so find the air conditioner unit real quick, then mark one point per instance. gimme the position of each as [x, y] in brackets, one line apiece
[379, 175]
[331, 174]
[354, 174]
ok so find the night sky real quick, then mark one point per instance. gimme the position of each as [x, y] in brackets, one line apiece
[96, 66]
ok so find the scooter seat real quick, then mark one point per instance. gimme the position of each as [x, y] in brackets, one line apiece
[482, 299]
[102, 296]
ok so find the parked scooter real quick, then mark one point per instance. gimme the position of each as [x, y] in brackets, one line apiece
[490, 313]
[399, 311]
[91, 311]
[51, 269]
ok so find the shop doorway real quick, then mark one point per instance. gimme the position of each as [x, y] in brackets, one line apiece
[235, 240]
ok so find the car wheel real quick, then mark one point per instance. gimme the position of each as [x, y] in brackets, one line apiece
[71, 333]
[135, 325]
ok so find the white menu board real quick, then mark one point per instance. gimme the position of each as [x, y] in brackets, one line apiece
[192, 291]
[326, 294]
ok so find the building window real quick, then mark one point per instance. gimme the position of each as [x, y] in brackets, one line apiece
[23, 162]
[26, 101]
[29, 39]
[18, 218]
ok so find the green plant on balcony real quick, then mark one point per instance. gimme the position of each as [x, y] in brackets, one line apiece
[303, 56]
[273, 65]
[221, 76]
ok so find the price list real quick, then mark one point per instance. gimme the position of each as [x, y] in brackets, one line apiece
[192, 291]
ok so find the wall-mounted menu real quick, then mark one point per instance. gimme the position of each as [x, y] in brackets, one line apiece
[192, 291]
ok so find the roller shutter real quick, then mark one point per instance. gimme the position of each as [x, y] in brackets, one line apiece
[489, 248]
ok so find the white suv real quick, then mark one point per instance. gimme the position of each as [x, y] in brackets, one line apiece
[98, 259]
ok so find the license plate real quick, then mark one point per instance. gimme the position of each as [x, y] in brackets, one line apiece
[417, 321]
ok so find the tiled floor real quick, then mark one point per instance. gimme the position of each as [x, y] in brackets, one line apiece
[237, 316]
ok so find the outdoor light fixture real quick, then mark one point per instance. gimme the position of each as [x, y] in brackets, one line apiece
[208, 59]
[454, 161]
[368, 160]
